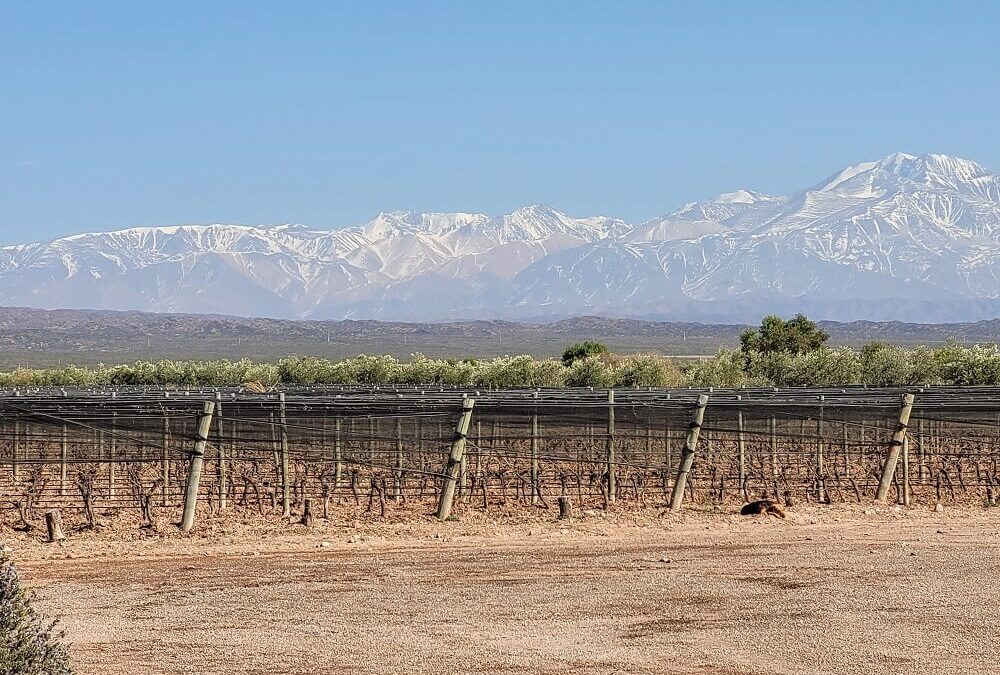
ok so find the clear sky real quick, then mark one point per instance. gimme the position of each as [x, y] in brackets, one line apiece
[116, 114]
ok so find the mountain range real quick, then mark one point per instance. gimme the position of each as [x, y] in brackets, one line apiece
[902, 238]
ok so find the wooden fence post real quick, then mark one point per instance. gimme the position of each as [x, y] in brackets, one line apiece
[892, 456]
[455, 460]
[611, 461]
[197, 459]
[286, 495]
[687, 455]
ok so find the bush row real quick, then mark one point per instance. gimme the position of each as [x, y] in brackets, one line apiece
[877, 363]
[507, 371]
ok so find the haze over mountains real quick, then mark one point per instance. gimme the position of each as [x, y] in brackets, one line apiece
[904, 238]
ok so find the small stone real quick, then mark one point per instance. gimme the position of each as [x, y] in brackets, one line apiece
[939, 507]
[563, 531]
[664, 560]
[325, 544]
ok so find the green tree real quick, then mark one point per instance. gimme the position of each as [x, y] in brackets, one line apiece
[584, 350]
[798, 335]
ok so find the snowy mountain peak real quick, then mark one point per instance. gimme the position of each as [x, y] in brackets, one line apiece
[879, 239]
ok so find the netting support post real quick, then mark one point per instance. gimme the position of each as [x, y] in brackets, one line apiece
[895, 445]
[455, 460]
[197, 461]
[687, 455]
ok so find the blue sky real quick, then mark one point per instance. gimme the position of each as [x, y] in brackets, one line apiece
[116, 114]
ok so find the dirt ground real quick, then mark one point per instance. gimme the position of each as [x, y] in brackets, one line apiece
[829, 590]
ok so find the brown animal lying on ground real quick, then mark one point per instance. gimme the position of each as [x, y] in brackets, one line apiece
[763, 507]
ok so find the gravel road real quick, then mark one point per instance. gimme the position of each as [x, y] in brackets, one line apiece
[822, 592]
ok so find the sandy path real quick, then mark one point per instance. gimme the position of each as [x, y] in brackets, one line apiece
[913, 595]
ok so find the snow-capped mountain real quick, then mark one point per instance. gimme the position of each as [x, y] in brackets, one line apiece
[904, 237]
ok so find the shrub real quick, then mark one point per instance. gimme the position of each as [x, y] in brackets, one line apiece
[519, 371]
[646, 371]
[726, 369]
[28, 645]
[885, 365]
[590, 372]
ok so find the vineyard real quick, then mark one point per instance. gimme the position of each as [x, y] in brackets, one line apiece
[306, 449]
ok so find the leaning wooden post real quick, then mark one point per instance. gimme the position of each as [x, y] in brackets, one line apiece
[892, 457]
[687, 454]
[197, 460]
[455, 460]
[286, 494]
[610, 451]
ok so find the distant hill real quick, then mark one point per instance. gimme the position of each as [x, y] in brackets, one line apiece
[50, 337]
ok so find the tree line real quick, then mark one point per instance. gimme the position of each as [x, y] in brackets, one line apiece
[780, 352]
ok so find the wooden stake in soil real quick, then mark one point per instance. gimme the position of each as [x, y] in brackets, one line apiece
[892, 456]
[687, 455]
[53, 525]
[197, 460]
[307, 513]
[565, 508]
[455, 460]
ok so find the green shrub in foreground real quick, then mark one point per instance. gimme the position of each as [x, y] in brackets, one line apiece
[28, 645]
